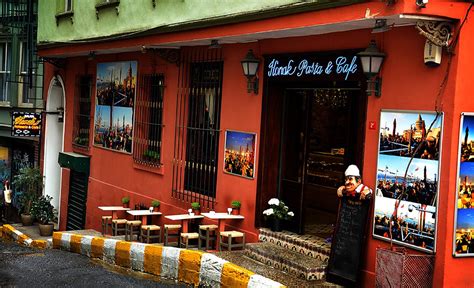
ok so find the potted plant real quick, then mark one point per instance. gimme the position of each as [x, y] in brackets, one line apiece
[235, 204]
[156, 205]
[125, 201]
[196, 208]
[28, 183]
[277, 213]
[43, 211]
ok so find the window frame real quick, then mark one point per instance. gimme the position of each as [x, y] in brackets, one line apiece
[83, 84]
[5, 69]
[23, 72]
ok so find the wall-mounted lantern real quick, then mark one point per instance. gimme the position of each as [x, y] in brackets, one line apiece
[372, 59]
[250, 67]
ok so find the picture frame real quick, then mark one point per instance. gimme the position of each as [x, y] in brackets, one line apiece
[239, 153]
[116, 85]
[463, 244]
[407, 178]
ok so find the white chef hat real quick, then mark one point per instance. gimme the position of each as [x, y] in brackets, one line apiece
[352, 170]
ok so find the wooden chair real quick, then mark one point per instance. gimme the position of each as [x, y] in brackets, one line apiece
[118, 226]
[149, 232]
[208, 234]
[172, 231]
[132, 228]
[185, 237]
[106, 222]
[231, 235]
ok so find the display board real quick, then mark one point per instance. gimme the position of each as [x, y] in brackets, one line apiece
[115, 96]
[463, 243]
[407, 178]
[347, 242]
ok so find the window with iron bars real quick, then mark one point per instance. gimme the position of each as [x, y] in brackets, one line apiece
[198, 127]
[27, 82]
[82, 110]
[5, 66]
[148, 121]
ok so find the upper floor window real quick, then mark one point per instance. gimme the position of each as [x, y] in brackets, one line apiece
[148, 121]
[5, 66]
[82, 110]
[68, 5]
[27, 87]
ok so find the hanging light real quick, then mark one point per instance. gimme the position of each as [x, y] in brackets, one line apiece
[250, 66]
[372, 60]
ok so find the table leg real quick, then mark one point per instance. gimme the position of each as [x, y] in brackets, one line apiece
[144, 219]
[221, 225]
[114, 214]
[184, 225]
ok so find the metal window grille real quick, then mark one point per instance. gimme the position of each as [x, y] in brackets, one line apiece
[198, 126]
[82, 110]
[5, 62]
[148, 121]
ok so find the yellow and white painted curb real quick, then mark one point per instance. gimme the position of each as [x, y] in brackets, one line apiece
[188, 266]
[10, 233]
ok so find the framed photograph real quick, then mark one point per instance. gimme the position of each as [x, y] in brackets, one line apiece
[463, 240]
[115, 97]
[408, 168]
[239, 153]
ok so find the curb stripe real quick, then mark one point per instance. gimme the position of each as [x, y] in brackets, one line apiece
[152, 259]
[260, 281]
[211, 269]
[57, 240]
[122, 254]
[109, 250]
[169, 262]
[97, 249]
[235, 276]
[76, 243]
[65, 243]
[189, 266]
[86, 245]
[137, 253]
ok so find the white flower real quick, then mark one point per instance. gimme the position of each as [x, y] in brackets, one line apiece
[291, 214]
[274, 201]
[268, 212]
[285, 208]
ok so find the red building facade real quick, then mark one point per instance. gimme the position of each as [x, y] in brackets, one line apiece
[276, 114]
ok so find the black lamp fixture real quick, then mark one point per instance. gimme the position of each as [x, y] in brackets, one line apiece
[372, 59]
[250, 66]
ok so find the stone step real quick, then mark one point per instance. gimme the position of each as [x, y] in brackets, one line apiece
[309, 245]
[289, 280]
[304, 267]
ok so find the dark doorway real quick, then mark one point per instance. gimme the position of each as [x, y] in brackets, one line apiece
[320, 135]
[76, 212]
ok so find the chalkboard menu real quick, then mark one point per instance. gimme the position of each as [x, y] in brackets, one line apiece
[347, 242]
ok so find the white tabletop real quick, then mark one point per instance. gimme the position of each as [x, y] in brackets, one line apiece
[183, 217]
[113, 208]
[222, 216]
[142, 212]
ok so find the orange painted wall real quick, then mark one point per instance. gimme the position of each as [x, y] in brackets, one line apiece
[407, 85]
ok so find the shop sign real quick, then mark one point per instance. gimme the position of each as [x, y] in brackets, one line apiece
[26, 124]
[337, 66]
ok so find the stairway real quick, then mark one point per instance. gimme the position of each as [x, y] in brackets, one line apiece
[304, 256]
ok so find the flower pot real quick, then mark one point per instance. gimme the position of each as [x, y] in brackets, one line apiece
[26, 219]
[46, 229]
[235, 211]
[276, 225]
[197, 212]
[125, 205]
[156, 209]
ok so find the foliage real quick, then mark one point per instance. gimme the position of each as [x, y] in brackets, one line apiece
[42, 210]
[29, 182]
[152, 155]
[195, 205]
[235, 204]
[155, 203]
[125, 200]
[278, 210]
